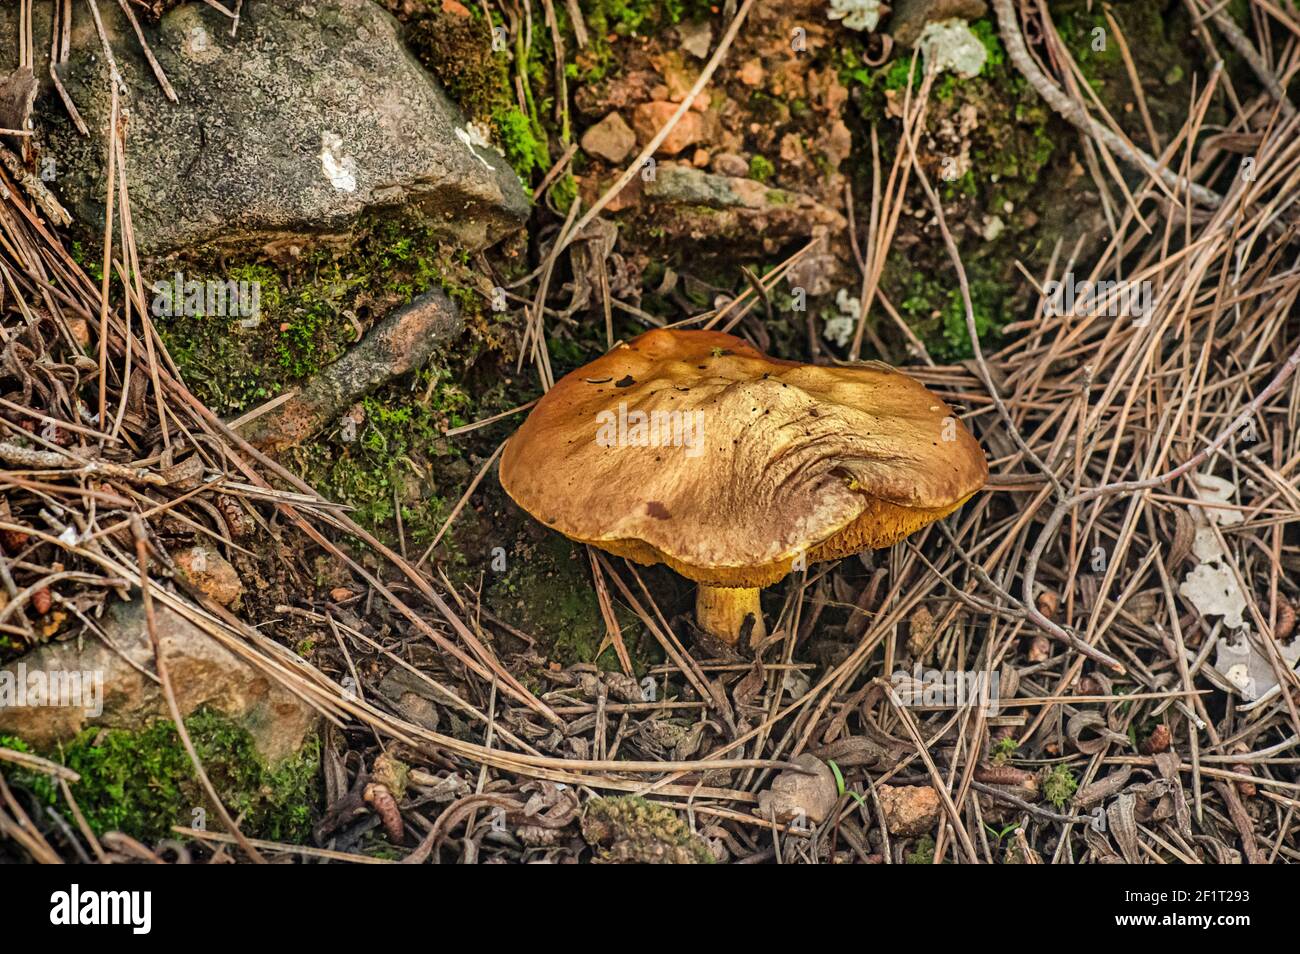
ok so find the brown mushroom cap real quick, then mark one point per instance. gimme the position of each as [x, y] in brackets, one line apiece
[789, 458]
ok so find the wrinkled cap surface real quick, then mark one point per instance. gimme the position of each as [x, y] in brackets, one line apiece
[694, 449]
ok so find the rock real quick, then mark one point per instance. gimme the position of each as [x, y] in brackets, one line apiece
[210, 573]
[752, 72]
[807, 796]
[314, 114]
[650, 117]
[610, 139]
[730, 164]
[689, 203]
[911, 16]
[202, 672]
[696, 38]
[909, 810]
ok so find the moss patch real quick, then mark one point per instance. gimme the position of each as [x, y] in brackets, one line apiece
[547, 592]
[459, 51]
[922, 852]
[1059, 786]
[632, 830]
[143, 783]
[312, 309]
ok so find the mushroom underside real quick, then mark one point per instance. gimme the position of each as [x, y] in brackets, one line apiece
[880, 524]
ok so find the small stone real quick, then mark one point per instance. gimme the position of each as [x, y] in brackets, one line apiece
[701, 159]
[801, 796]
[611, 139]
[696, 37]
[752, 72]
[649, 118]
[909, 810]
[210, 573]
[629, 196]
[677, 75]
[730, 164]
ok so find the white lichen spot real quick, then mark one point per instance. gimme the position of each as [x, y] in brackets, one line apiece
[841, 326]
[475, 137]
[1247, 668]
[952, 45]
[855, 14]
[197, 40]
[1206, 545]
[339, 169]
[1215, 490]
[1212, 589]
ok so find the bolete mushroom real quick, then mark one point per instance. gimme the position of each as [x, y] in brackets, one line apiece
[694, 449]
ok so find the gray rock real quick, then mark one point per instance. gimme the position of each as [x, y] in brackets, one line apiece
[313, 115]
[730, 164]
[202, 672]
[910, 16]
[696, 38]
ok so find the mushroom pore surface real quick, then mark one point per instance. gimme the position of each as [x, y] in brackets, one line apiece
[693, 449]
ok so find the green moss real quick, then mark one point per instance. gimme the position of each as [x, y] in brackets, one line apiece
[1059, 786]
[922, 852]
[524, 150]
[143, 783]
[622, 19]
[1164, 46]
[631, 830]
[547, 592]
[637, 17]
[388, 463]
[761, 168]
[1004, 750]
[459, 52]
[307, 310]
[936, 310]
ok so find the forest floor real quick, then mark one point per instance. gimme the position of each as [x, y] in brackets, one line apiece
[1127, 583]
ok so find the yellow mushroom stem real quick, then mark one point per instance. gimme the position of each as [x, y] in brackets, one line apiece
[721, 611]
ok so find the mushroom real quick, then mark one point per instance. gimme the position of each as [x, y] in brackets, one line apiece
[695, 450]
